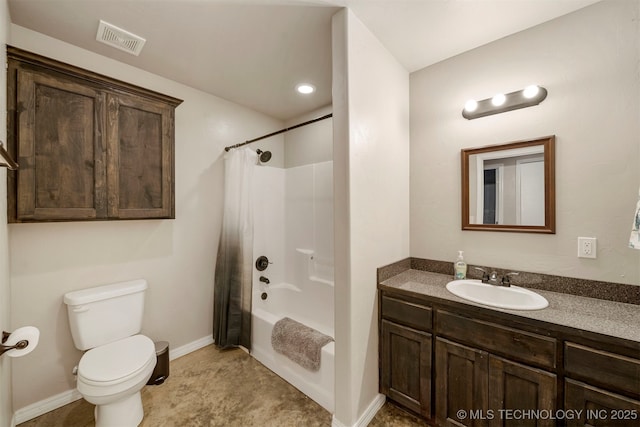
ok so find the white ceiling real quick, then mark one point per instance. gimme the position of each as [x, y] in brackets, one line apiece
[254, 52]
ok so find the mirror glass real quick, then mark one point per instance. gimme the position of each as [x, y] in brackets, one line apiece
[510, 187]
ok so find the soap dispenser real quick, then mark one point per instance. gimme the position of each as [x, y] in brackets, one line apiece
[460, 267]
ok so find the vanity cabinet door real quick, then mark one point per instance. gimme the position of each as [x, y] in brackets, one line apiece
[514, 388]
[596, 407]
[406, 366]
[461, 385]
[60, 150]
[140, 157]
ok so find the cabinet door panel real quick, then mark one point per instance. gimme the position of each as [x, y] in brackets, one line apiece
[60, 151]
[406, 367]
[599, 408]
[140, 158]
[516, 391]
[461, 385]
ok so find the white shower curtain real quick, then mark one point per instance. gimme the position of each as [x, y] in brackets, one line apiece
[233, 275]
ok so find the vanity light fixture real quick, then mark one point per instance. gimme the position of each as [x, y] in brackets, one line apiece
[471, 105]
[498, 100]
[500, 103]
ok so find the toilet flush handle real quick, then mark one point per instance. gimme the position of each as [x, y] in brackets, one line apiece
[80, 309]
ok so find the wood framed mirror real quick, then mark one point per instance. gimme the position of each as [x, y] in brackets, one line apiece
[510, 187]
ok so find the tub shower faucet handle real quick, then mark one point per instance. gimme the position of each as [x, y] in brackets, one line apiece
[264, 280]
[262, 263]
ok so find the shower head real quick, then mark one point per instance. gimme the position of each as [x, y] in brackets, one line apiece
[265, 156]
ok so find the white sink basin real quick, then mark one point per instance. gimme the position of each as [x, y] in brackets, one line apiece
[512, 298]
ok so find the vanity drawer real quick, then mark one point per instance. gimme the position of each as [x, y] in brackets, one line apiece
[601, 367]
[519, 345]
[407, 313]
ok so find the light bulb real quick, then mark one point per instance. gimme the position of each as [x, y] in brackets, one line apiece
[471, 105]
[498, 99]
[531, 91]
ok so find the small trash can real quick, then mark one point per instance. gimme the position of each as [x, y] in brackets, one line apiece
[161, 371]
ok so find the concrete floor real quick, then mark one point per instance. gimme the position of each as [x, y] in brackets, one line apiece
[210, 387]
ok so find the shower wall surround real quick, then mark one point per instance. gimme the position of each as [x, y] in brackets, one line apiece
[309, 218]
[293, 227]
[293, 223]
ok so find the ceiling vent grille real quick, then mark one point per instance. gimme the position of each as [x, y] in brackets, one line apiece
[119, 38]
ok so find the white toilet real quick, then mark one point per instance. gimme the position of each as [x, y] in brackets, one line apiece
[106, 320]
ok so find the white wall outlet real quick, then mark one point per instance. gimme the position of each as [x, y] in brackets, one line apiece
[587, 247]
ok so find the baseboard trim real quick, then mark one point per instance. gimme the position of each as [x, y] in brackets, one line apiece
[46, 405]
[59, 400]
[190, 347]
[366, 416]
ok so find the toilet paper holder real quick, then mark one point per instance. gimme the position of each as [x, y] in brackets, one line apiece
[22, 344]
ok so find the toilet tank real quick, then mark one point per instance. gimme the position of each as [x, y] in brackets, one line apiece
[107, 313]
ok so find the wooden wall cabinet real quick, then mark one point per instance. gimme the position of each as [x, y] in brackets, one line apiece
[89, 147]
[446, 362]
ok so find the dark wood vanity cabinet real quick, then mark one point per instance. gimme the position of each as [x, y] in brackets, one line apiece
[406, 361]
[461, 384]
[602, 387]
[405, 357]
[89, 147]
[482, 370]
[486, 367]
[484, 387]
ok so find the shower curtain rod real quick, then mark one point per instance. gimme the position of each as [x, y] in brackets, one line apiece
[278, 132]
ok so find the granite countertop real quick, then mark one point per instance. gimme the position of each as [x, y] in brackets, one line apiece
[611, 318]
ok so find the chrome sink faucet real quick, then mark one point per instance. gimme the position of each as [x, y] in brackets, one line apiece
[492, 278]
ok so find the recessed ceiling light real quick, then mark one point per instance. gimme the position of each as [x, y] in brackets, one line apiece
[305, 88]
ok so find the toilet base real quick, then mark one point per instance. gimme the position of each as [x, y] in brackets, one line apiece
[125, 412]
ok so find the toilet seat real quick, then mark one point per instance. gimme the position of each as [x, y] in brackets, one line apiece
[117, 362]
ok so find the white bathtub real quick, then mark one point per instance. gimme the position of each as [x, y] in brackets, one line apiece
[312, 306]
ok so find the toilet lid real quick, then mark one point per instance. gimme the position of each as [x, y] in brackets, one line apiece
[116, 360]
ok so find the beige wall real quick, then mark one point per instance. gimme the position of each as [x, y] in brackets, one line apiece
[309, 144]
[371, 201]
[176, 256]
[6, 411]
[588, 61]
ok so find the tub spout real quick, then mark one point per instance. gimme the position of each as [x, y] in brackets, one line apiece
[264, 279]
